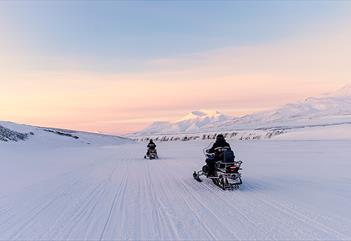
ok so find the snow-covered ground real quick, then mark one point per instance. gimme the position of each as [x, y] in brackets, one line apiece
[293, 190]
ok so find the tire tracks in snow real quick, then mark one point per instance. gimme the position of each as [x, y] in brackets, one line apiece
[298, 215]
[162, 214]
[60, 193]
[75, 218]
[229, 204]
[199, 201]
[120, 192]
[90, 200]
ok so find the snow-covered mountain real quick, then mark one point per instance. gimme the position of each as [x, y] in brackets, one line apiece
[12, 132]
[342, 92]
[334, 107]
[324, 110]
[192, 122]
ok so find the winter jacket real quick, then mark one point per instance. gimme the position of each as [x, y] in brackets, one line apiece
[151, 146]
[217, 144]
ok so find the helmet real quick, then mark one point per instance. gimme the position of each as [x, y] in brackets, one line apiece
[220, 137]
[151, 141]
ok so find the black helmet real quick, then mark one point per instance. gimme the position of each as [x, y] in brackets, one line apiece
[151, 141]
[220, 137]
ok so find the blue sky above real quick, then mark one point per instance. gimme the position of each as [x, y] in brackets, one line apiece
[120, 36]
[115, 66]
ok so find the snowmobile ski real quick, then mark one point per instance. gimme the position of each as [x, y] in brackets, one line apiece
[197, 177]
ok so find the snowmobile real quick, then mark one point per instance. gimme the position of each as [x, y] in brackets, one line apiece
[151, 154]
[226, 174]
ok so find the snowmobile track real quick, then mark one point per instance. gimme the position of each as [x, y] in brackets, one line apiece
[112, 193]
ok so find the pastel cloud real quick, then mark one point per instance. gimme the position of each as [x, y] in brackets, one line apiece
[237, 80]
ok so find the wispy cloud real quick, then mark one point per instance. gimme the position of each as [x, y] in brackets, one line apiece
[236, 79]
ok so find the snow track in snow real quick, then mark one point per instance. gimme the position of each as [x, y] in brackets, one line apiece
[112, 193]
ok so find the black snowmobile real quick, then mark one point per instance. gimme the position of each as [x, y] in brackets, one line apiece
[226, 173]
[151, 154]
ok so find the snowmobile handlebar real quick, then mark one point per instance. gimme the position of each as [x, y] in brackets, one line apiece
[238, 163]
[217, 149]
[222, 149]
[205, 150]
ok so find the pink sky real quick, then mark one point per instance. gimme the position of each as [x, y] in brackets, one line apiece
[234, 80]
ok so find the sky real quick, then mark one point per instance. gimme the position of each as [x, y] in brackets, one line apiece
[116, 66]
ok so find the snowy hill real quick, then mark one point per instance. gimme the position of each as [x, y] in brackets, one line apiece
[9, 135]
[11, 132]
[330, 109]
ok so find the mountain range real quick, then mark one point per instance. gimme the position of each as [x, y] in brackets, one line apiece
[326, 109]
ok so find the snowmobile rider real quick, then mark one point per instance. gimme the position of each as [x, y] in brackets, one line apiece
[150, 146]
[218, 155]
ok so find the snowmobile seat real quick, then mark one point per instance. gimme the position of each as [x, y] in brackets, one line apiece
[228, 159]
[228, 156]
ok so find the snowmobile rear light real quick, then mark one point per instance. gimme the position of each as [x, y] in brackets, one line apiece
[232, 169]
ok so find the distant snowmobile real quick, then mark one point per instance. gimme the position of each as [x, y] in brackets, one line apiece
[226, 174]
[151, 154]
[151, 150]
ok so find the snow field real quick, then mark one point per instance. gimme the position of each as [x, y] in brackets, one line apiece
[293, 190]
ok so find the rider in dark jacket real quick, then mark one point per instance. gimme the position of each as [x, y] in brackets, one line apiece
[150, 146]
[220, 142]
[211, 162]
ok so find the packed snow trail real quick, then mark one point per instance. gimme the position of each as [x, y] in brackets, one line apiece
[291, 191]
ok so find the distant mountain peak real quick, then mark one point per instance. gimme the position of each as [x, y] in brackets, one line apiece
[325, 108]
[191, 122]
[200, 114]
[344, 91]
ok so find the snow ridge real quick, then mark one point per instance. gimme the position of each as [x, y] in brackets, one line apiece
[333, 107]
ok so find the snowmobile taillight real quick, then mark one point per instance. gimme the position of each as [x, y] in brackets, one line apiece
[232, 169]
